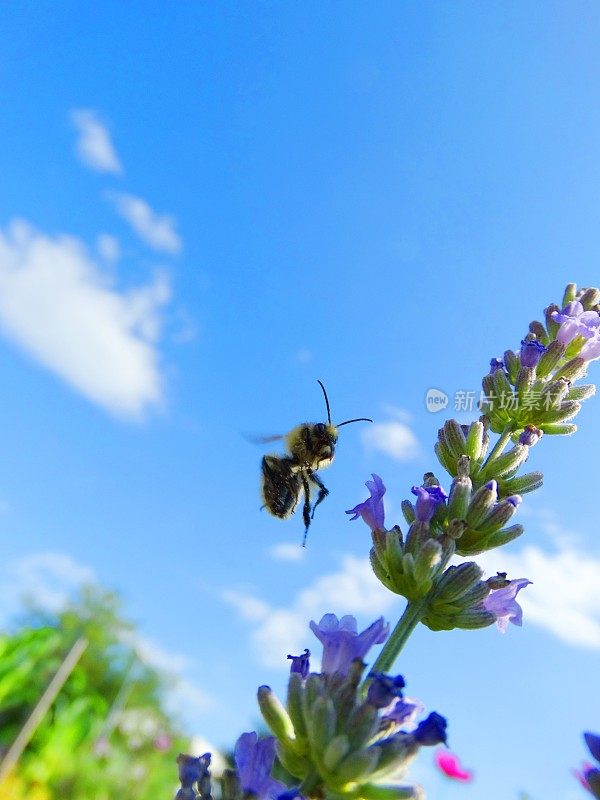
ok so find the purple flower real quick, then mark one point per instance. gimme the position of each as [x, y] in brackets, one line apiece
[372, 509]
[254, 760]
[384, 689]
[530, 435]
[192, 770]
[404, 711]
[593, 742]
[574, 321]
[341, 642]
[589, 777]
[428, 499]
[531, 352]
[495, 365]
[301, 663]
[591, 349]
[502, 603]
[432, 730]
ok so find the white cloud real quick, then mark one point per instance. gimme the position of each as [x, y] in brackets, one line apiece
[395, 438]
[45, 579]
[287, 551]
[564, 598]
[108, 248]
[157, 230]
[58, 305]
[277, 631]
[94, 146]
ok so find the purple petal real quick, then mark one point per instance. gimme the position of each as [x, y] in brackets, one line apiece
[502, 603]
[593, 742]
[341, 642]
[371, 510]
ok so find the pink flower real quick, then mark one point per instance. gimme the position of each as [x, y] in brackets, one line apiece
[449, 764]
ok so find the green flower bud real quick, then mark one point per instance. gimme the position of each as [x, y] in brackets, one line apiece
[274, 713]
[409, 511]
[457, 580]
[426, 561]
[550, 360]
[314, 687]
[573, 370]
[459, 498]
[539, 332]
[551, 325]
[498, 517]
[445, 458]
[473, 543]
[295, 694]
[506, 463]
[524, 384]
[558, 429]
[356, 766]
[567, 410]
[297, 765]
[395, 754]
[474, 618]
[371, 791]
[511, 364]
[362, 725]
[590, 298]
[520, 484]
[337, 749]
[582, 392]
[230, 787]
[477, 441]
[321, 726]
[481, 504]
[454, 438]
[554, 393]
[570, 294]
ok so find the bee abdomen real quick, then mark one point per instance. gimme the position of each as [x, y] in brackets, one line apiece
[281, 486]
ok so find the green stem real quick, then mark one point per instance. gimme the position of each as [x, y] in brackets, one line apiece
[499, 446]
[404, 627]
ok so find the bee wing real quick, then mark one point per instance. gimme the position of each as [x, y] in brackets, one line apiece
[264, 439]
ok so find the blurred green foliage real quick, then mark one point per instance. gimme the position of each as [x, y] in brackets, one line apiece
[107, 735]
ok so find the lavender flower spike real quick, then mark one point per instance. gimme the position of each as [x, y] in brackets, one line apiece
[342, 643]
[372, 509]
[502, 603]
[254, 759]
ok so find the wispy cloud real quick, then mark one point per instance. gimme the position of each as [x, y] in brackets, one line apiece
[157, 230]
[276, 631]
[287, 551]
[94, 146]
[395, 437]
[108, 248]
[58, 305]
[46, 579]
[564, 598]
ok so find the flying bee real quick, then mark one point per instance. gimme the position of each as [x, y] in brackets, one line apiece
[311, 446]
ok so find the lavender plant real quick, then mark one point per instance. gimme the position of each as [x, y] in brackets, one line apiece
[344, 732]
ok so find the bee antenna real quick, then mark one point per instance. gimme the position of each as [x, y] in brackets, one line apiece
[326, 401]
[358, 419]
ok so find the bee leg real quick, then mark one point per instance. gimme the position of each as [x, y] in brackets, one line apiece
[306, 508]
[323, 491]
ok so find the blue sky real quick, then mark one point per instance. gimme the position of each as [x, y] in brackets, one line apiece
[207, 207]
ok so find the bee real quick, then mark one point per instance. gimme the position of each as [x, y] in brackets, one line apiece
[311, 447]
